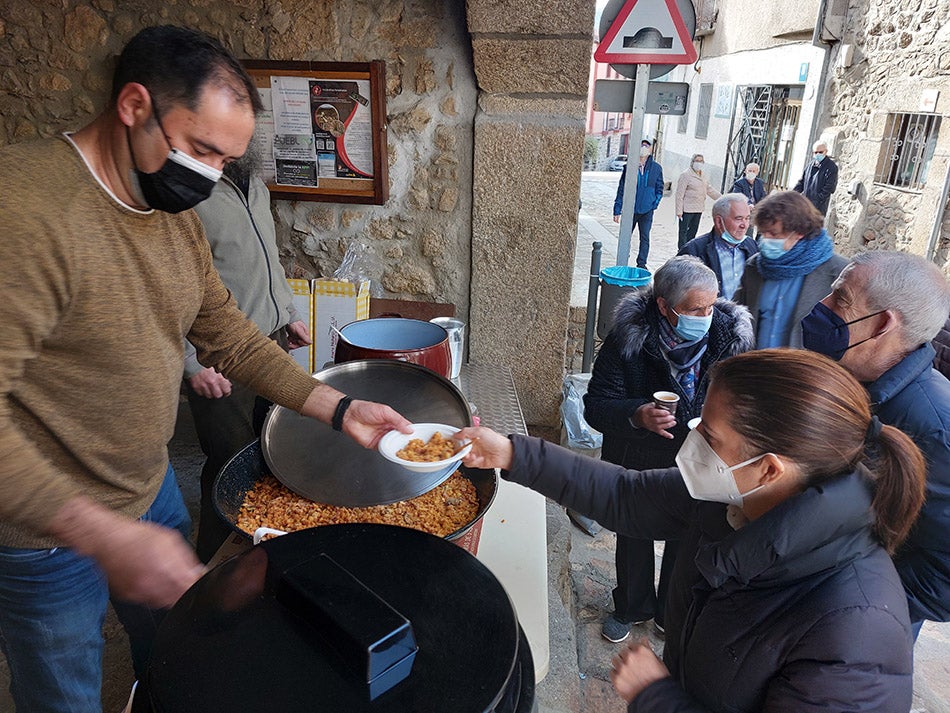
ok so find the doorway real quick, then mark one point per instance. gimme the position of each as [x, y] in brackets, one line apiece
[764, 124]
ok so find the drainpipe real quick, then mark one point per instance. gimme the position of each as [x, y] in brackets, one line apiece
[823, 76]
[938, 218]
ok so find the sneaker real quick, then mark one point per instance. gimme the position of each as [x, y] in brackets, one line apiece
[614, 630]
[659, 630]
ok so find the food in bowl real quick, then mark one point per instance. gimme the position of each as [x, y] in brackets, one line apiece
[391, 445]
[440, 511]
[437, 448]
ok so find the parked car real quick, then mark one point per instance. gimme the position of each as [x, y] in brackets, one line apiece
[618, 162]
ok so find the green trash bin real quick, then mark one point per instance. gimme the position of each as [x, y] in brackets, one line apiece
[615, 283]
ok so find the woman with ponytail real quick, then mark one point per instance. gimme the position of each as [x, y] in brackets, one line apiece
[788, 500]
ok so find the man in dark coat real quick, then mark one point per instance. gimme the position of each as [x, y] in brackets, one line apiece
[884, 309]
[725, 248]
[648, 195]
[649, 350]
[820, 178]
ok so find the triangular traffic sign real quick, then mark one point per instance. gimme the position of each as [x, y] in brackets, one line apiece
[647, 32]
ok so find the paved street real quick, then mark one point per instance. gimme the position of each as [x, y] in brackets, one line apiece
[595, 223]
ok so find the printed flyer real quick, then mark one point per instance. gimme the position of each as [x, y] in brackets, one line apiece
[317, 129]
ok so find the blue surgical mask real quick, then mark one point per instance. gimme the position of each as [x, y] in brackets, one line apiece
[731, 240]
[772, 248]
[819, 157]
[691, 328]
[825, 332]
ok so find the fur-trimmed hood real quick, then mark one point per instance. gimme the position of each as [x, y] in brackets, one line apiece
[636, 326]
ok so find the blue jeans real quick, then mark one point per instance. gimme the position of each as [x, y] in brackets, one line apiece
[52, 607]
[643, 221]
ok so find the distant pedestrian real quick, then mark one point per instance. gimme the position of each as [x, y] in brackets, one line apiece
[820, 178]
[792, 271]
[751, 186]
[649, 193]
[726, 247]
[691, 191]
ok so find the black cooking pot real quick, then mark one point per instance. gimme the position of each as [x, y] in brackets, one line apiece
[247, 467]
[295, 624]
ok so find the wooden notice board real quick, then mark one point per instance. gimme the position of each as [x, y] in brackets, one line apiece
[322, 135]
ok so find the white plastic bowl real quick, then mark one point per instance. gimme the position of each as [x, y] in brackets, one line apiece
[395, 441]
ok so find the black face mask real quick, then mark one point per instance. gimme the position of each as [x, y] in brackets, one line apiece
[181, 183]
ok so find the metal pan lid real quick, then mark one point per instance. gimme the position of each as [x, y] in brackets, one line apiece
[329, 467]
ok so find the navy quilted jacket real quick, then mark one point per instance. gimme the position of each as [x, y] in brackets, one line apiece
[630, 367]
[915, 398]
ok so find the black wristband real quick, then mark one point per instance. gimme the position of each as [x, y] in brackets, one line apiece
[341, 407]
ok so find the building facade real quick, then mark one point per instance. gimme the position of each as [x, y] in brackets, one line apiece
[887, 109]
[753, 92]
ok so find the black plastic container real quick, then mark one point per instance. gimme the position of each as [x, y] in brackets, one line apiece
[231, 645]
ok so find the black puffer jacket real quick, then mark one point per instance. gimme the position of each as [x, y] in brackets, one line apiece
[800, 611]
[631, 366]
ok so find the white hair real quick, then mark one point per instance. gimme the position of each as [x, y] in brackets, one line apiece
[723, 204]
[679, 275]
[908, 284]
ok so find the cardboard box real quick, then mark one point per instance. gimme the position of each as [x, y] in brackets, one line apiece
[335, 303]
[303, 301]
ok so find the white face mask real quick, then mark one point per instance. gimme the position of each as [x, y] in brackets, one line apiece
[750, 176]
[698, 166]
[644, 150]
[706, 475]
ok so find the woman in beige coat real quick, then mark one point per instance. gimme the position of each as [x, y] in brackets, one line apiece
[691, 191]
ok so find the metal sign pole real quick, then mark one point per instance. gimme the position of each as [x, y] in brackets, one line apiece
[633, 163]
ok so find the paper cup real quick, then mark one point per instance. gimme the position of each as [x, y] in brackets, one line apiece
[666, 400]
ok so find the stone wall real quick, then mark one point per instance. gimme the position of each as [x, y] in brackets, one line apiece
[899, 49]
[55, 63]
[485, 108]
[531, 61]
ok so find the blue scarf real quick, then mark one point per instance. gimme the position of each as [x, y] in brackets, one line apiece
[805, 256]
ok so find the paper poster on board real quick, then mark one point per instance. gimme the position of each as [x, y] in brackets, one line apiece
[342, 126]
[322, 129]
[322, 133]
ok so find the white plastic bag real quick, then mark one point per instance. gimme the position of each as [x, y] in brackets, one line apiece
[579, 432]
[359, 264]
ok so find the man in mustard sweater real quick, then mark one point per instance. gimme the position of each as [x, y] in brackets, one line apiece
[104, 272]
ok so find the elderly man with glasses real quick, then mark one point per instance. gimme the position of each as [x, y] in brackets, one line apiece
[878, 321]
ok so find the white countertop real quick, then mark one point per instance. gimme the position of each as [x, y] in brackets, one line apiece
[513, 546]
[513, 542]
